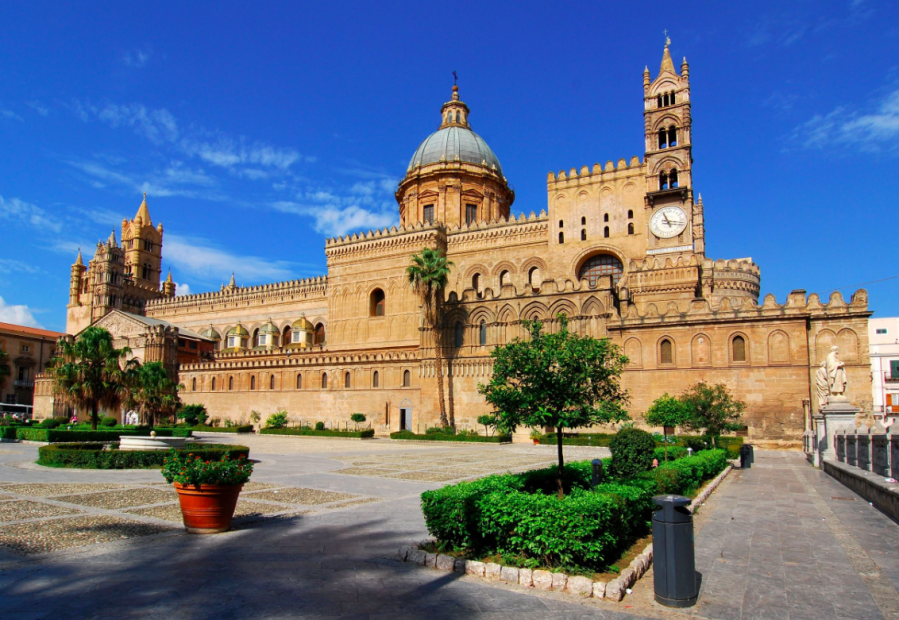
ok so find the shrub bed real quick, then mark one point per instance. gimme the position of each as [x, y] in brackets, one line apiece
[446, 437]
[246, 428]
[697, 442]
[519, 516]
[93, 456]
[59, 436]
[364, 434]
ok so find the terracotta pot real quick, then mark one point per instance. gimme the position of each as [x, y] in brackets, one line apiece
[208, 508]
[536, 442]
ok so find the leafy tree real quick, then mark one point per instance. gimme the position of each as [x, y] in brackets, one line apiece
[428, 276]
[632, 452]
[89, 372]
[667, 411]
[488, 422]
[277, 420]
[357, 419]
[152, 392]
[193, 414]
[5, 370]
[712, 408]
[561, 380]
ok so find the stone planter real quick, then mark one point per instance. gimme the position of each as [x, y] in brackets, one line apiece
[150, 443]
[208, 508]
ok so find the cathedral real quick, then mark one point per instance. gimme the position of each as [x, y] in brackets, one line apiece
[620, 250]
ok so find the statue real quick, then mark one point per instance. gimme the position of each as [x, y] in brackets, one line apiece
[822, 385]
[836, 372]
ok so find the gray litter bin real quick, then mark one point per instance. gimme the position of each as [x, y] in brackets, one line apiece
[745, 457]
[674, 563]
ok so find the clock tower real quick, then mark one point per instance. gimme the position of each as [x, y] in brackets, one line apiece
[674, 222]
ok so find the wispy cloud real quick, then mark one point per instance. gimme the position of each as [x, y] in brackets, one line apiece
[27, 213]
[182, 289]
[136, 58]
[175, 179]
[8, 265]
[875, 130]
[201, 258]
[5, 113]
[39, 107]
[17, 314]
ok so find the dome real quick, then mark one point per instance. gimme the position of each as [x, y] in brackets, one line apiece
[455, 144]
[302, 324]
[210, 333]
[238, 330]
[268, 328]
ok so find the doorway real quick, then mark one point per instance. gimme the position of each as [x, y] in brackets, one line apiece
[406, 416]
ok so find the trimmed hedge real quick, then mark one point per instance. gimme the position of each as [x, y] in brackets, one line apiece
[59, 436]
[602, 440]
[366, 434]
[445, 437]
[519, 514]
[93, 456]
[246, 428]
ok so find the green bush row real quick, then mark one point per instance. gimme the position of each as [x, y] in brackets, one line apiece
[518, 514]
[697, 442]
[59, 436]
[246, 428]
[365, 434]
[93, 456]
[445, 437]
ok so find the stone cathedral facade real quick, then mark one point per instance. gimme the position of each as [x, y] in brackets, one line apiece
[620, 250]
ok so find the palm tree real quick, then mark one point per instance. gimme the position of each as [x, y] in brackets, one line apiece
[90, 372]
[428, 276]
[152, 392]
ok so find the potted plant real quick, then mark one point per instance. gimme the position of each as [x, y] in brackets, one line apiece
[207, 490]
[535, 435]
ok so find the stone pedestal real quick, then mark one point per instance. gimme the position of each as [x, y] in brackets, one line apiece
[837, 415]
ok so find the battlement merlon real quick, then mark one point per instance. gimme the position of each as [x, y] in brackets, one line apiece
[635, 168]
[316, 287]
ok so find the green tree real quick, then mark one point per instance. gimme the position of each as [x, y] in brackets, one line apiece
[428, 276]
[5, 371]
[667, 411]
[712, 409]
[193, 414]
[89, 372]
[152, 392]
[357, 419]
[488, 422]
[561, 380]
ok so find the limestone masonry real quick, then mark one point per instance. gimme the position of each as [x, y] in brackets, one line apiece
[620, 249]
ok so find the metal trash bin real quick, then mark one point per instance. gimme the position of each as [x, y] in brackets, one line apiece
[674, 561]
[745, 457]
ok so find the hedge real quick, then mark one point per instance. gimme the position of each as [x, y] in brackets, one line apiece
[59, 436]
[697, 442]
[519, 515]
[93, 456]
[246, 428]
[364, 434]
[445, 437]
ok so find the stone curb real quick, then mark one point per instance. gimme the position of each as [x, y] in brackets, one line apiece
[614, 590]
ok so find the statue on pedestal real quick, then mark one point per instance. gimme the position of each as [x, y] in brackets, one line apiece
[836, 373]
[822, 385]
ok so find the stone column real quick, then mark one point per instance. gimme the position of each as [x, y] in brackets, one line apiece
[838, 414]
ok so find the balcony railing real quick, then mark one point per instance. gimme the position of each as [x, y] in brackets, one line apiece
[889, 377]
[24, 384]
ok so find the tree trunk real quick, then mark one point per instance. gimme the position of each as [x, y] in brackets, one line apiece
[561, 462]
[665, 436]
[444, 422]
[94, 416]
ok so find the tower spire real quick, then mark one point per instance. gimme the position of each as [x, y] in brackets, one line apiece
[667, 63]
[79, 261]
[143, 212]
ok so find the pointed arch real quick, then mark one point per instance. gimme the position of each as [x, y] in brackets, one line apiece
[701, 350]
[778, 347]
[633, 349]
[847, 340]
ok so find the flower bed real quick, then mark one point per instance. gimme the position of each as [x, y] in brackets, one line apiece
[94, 456]
[364, 434]
[448, 437]
[246, 428]
[61, 435]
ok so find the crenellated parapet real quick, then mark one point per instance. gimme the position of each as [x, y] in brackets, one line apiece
[247, 360]
[307, 288]
[397, 239]
[598, 173]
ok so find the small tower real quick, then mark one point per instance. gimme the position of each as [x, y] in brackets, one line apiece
[669, 151]
[76, 281]
[109, 280]
[168, 287]
[143, 248]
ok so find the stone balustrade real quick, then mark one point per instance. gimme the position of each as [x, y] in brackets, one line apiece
[870, 449]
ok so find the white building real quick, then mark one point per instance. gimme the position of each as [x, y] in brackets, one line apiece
[883, 336]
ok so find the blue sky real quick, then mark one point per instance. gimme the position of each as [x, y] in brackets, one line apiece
[260, 129]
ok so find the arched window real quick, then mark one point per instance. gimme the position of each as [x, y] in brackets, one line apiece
[583, 221]
[476, 282]
[458, 116]
[504, 278]
[346, 380]
[672, 178]
[193, 385]
[375, 379]
[663, 180]
[673, 99]
[663, 139]
[459, 334]
[324, 380]
[230, 383]
[659, 101]
[601, 265]
[534, 276]
[299, 382]
[666, 352]
[605, 232]
[428, 214]
[583, 234]
[605, 217]
[407, 378]
[561, 223]
[630, 214]
[319, 335]
[376, 303]
[482, 334]
[665, 99]
[561, 237]
[213, 384]
[630, 228]
[252, 382]
[738, 347]
[271, 382]
[672, 136]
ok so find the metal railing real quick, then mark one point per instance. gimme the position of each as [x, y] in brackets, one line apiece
[23, 383]
[889, 377]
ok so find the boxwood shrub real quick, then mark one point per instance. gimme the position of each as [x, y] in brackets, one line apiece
[62, 435]
[697, 442]
[519, 515]
[366, 434]
[446, 437]
[246, 428]
[93, 456]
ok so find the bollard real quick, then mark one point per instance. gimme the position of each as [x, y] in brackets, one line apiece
[597, 472]
[689, 451]
[745, 457]
[674, 562]
[751, 454]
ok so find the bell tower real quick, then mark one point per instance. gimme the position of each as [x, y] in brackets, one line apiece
[142, 244]
[669, 161]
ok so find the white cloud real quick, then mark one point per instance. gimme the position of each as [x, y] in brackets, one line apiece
[8, 265]
[228, 153]
[10, 115]
[875, 130]
[182, 289]
[19, 210]
[156, 126]
[137, 58]
[38, 107]
[176, 179]
[199, 257]
[17, 315]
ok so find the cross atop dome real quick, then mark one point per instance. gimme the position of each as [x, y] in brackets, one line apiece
[454, 111]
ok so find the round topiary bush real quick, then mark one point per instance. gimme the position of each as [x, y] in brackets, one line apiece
[52, 422]
[319, 426]
[632, 452]
[108, 421]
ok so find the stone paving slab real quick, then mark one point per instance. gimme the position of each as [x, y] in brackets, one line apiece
[20, 510]
[56, 534]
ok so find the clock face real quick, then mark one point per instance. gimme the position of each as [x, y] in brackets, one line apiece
[668, 222]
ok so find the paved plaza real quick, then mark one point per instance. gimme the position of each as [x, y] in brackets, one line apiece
[319, 525]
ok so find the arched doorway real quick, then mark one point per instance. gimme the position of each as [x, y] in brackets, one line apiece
[406, 415]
